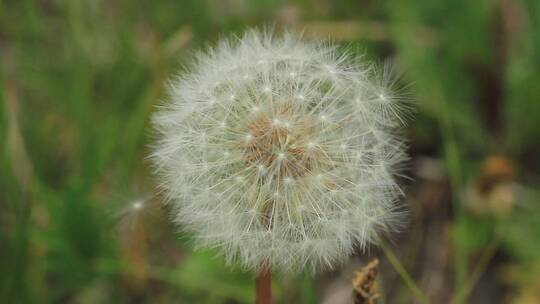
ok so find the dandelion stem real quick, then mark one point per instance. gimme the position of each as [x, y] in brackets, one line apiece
[405, 276]
[263, 286]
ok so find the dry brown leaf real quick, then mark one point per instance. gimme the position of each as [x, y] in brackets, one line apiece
[365, 287]
[493, 190]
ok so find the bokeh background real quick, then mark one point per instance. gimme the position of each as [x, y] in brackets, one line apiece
[80, 221]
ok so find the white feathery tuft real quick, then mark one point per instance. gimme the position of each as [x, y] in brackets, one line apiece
[281, 152]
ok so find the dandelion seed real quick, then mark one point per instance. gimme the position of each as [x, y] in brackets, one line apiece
[131, 213]
[137, 205]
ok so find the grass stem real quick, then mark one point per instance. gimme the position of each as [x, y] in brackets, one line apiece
[485, 258]
[405, 276]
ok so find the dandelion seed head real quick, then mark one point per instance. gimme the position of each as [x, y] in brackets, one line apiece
[287, 160]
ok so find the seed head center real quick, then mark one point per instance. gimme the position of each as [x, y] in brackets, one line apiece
[277, 146]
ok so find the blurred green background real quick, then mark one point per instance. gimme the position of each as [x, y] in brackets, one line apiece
[80, 221]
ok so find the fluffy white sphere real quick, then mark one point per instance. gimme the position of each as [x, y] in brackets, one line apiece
[279, 152]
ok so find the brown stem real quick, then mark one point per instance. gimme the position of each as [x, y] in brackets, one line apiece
[264, 286]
